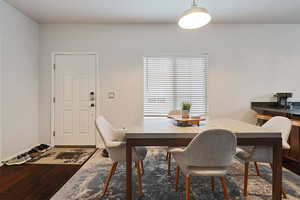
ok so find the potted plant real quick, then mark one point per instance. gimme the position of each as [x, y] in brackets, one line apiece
[186, 107]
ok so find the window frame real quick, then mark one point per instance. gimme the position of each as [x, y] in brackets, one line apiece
[173, 58]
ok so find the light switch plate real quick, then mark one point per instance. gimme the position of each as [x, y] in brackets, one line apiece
[111, 95]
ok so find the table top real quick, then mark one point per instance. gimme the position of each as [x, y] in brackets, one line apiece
[161, 127]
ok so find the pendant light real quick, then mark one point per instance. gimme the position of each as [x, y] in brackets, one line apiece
[194, 17]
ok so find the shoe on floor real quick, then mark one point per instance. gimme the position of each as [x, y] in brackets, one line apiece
[43, 148]
[34, 153]
[21, 159]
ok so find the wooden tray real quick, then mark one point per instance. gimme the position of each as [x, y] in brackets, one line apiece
[186, 121]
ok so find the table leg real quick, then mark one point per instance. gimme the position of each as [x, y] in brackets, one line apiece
[277, 171]
[128, 171]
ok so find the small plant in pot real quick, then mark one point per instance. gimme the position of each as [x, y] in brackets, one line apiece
[186, 107]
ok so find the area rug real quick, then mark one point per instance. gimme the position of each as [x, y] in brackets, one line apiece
[64, 156]
[87, 183]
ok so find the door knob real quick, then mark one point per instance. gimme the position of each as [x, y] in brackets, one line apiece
[92, 105]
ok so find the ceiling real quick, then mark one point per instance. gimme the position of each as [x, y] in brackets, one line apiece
[158, 11]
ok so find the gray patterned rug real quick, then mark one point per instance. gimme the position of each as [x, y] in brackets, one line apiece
[87, 183]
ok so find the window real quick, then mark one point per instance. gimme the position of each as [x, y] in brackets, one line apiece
[168, 81]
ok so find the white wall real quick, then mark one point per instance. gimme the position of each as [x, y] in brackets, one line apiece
[20, 81]
[1, 78]
[246, 62]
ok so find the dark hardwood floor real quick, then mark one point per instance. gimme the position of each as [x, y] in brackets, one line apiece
[33, 182]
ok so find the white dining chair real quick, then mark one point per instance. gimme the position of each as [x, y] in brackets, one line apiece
[264, 154]
[113, 140]
[210, 153]
[169, 155]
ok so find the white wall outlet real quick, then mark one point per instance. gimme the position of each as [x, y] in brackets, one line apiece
[111, 95]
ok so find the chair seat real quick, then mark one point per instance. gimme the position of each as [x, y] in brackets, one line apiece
[285, 145]
[242, 154]
[260, 154]
[141, 152]
[194, 171]
[170, 149]
[202, 171]
[118, 154]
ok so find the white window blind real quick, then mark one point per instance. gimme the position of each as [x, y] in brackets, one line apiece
[168, 81]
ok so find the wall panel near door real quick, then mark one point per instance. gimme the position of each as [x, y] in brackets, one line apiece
[1, 79]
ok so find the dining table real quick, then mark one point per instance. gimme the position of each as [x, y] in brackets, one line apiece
[161, 131]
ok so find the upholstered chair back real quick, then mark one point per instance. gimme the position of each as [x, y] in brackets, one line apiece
[105, 130]
[114, 142]
[212, 148]
[282, 125]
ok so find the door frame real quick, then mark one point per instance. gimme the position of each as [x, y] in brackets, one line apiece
[97, 86]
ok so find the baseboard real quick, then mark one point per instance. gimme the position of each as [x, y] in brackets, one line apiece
[75, 146]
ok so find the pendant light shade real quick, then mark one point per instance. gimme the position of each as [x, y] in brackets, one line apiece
[194, 17]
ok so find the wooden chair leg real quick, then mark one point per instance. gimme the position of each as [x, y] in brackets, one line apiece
[257, 169]
[142, 167]
[246, 179]
[226, 196]
[187, 187]
[167, 156]
[213, 183]
[139, 177]
[283, 192]
[111, 173]
[177, 178]
[169, 164]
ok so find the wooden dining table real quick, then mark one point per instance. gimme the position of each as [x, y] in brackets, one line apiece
[160, 131]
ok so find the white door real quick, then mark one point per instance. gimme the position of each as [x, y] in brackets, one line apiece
[75, 99]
